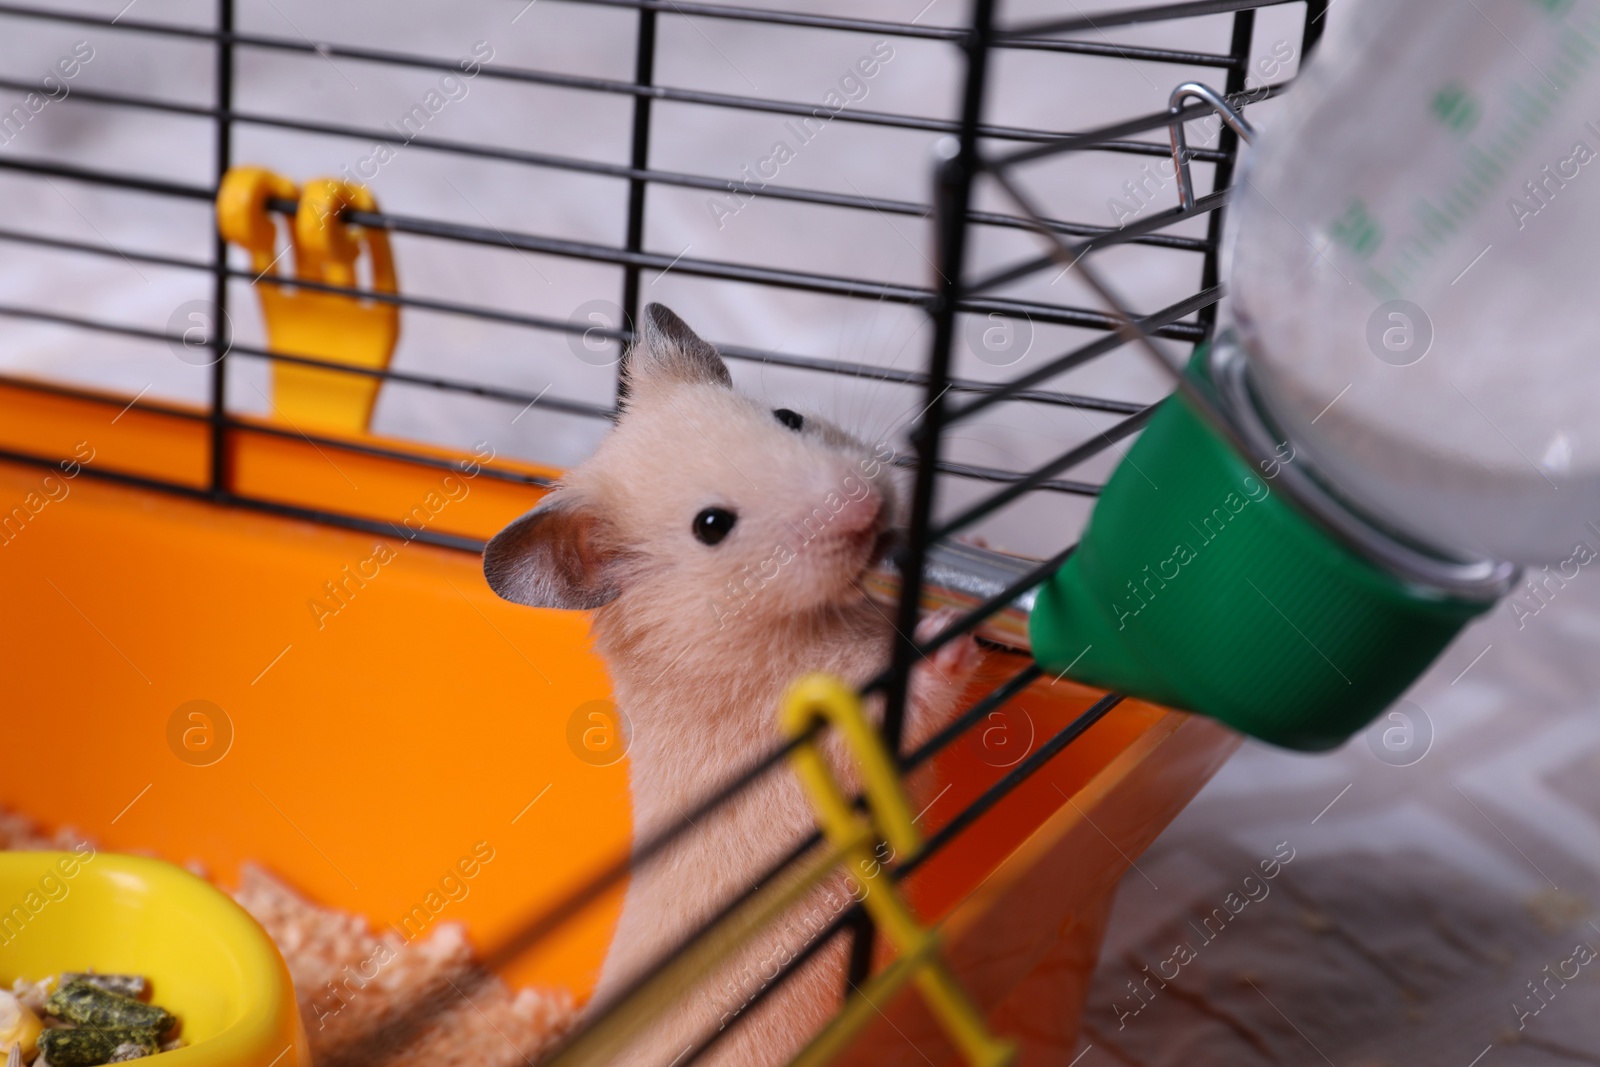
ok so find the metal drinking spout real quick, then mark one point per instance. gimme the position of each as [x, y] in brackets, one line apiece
[963, 576]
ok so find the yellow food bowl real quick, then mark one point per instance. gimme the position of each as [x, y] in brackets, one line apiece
[208, 962]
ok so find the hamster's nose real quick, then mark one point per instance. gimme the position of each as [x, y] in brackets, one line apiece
[860, 514]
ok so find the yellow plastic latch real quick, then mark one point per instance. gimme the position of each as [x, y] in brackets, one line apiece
[821, 696]
[305, 322]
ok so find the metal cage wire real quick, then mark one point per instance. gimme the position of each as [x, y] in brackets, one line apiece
[976, 152]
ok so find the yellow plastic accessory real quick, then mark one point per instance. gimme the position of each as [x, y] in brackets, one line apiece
[332, 327]
[208, 961]
[821, 696]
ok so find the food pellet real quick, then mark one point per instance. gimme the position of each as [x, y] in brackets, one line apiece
[124, 985]
[89, 1005]
[89, 1046]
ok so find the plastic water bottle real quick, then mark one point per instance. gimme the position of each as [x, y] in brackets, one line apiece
[1411, 271]
[1407, 401]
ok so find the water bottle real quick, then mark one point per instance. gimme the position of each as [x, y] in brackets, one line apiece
[1403, 404]
[1410, 255]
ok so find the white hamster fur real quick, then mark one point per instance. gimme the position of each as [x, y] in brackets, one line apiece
[700, 652]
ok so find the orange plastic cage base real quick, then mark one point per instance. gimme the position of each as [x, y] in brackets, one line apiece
[374, 746]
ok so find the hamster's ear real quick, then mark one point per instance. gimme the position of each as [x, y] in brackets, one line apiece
[555, 556]
[668, 351]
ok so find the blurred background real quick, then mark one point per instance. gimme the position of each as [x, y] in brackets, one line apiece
[1433, 877]
[915, 78]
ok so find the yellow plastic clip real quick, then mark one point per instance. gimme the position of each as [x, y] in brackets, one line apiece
[821, 696]
[305, 322]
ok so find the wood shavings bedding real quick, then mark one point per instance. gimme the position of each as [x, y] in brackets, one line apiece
[350, 980]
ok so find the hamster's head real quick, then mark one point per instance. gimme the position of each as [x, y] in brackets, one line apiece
[703, 508]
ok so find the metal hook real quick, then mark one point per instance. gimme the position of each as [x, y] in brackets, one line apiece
[1180, 146]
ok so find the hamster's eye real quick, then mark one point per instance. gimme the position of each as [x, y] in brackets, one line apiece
[792, 419]
[713, 524]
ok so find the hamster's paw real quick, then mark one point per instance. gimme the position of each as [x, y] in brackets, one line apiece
[938, 681]
[955, 662]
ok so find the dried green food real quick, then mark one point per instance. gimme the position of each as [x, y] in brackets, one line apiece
[88, 1046]
[87, 1005]
[124, 985]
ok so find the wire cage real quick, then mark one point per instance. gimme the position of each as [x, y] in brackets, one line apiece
[1011, 207]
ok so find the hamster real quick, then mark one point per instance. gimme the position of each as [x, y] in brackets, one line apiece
[720, 544]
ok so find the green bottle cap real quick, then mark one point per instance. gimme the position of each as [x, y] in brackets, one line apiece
[1200, 585]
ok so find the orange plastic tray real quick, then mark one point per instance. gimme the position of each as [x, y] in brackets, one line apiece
[424, 722]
